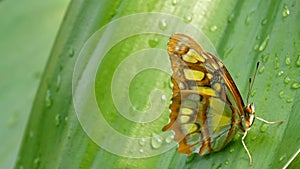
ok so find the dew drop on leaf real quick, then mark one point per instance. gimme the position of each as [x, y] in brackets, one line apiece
[31, 134]
[142, 141]
[264, 44]
[276, 62]
[71, 53]
[261, 69]
[281, 94]
[264, 128]
[285, 12]
[162, 24]
[264, 21]
[187, 18]
[58, 82]
[36, 162]
[253, 93]
[169, 138]
[282, 157]
[213, 28]
[289, 100]
[174, 2]
[153, 42]
[156, 141]
[57, 119]
[48, 99]
[231, 17]
[227, 52]
[295, 85]
[288, 61]
[265, 58]
[280, 73]
[163, 97]
[287, 80]
[298, 61]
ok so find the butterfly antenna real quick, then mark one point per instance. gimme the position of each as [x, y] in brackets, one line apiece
[252, 82]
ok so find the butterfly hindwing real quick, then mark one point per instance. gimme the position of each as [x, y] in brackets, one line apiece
[204, 108]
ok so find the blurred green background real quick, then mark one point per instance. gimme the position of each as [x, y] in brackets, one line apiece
[27, 33]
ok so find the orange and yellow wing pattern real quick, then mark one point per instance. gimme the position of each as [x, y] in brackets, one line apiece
[206, 105]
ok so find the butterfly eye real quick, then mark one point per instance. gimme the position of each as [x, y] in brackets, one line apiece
[251, 106]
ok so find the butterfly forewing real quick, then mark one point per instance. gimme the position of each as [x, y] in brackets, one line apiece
[205, 108]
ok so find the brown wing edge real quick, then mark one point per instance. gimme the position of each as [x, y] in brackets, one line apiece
[188, 43]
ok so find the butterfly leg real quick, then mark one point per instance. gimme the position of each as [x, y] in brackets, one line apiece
[268, 122]
[245, 147]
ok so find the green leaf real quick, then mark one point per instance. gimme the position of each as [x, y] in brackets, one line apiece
[243, 33]
[27, 33]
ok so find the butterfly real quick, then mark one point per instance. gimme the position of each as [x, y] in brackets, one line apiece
[206, 107]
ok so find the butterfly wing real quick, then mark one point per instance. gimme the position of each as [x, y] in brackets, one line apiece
[206, 104]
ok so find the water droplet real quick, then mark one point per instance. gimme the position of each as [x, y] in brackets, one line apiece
[227, 52]
[253, 138]
[71, 53]
[142, 141]
[290, 100]
[13, 120]
[31, 134]
[247, 20]
[268, 87]
[264, 21]
[295, 85]
[276, 62]
[169, 138]
[66, 118]
[256, 47]
[264, 128]
[264, 44]
[226, 162]
[287, 80]
[58, 82]
[57, 119]
[258, 37]
[231, 17]
[281, 94]
[170, 84]
[287, 61]
[36, 162]
[261, 69]
[141, 150]
[265, 58]
[253, 93]
[213, 28]
[285, 12]
[298, 61]
[282, 157]
[174, 2]
[163, 24]
[231, 150]
[153, 42]
[187, 18]
[48, 99]
[156, 141]
[163, 97]
[280, 73]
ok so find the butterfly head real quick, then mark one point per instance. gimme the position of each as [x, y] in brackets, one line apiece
[249, 115]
